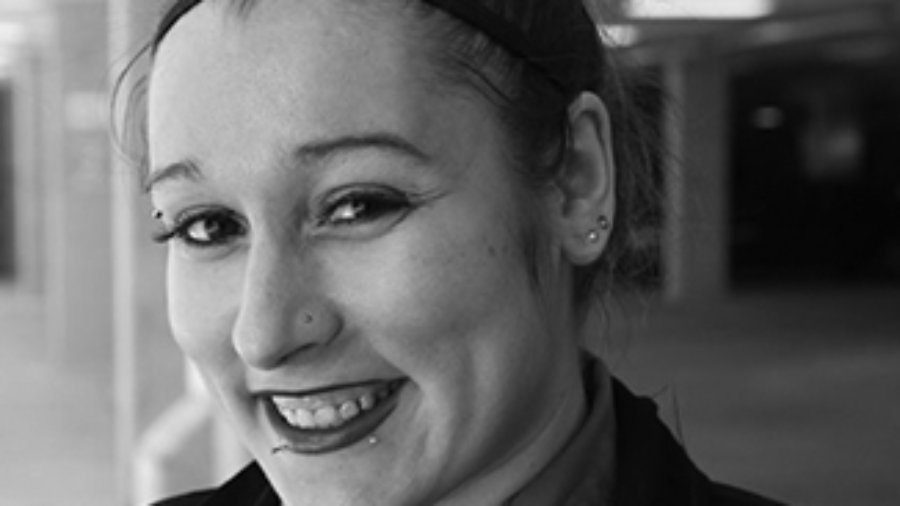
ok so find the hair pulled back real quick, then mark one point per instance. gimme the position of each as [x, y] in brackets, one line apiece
[531, 59]
[533, 92]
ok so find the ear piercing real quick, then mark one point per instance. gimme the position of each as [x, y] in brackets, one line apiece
[603, 222]
[594, 235]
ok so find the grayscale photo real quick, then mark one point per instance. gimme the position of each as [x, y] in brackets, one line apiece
[449, 252]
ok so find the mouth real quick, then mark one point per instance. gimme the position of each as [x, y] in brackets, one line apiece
[331, 419]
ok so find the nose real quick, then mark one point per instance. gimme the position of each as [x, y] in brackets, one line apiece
[283, 312]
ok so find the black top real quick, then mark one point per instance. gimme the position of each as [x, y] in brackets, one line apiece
[652, 469]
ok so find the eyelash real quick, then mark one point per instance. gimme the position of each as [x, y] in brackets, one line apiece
[361, 207]
[366, 205]
[180, 231]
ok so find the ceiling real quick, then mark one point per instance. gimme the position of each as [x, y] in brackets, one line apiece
[792, 22]
[808, 6]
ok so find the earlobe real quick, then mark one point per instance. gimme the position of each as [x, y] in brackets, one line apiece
[586, 182]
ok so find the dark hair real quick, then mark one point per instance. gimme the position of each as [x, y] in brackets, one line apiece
[531, 59]
[534, 107]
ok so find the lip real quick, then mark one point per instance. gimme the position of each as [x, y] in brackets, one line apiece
[321, 441]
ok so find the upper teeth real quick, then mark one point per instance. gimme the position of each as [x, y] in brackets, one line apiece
[315, 413]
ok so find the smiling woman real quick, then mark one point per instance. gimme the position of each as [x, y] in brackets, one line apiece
[384, 222]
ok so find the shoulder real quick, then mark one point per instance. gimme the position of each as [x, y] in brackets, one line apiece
[654, 467]
[189, 499]
[726, 495]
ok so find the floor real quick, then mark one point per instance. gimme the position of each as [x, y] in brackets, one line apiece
[793, 393]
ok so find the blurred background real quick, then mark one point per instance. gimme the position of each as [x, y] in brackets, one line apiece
[767, 326]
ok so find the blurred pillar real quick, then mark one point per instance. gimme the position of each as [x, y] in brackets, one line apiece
[695, 239]
[52, 160]
[79, 274]
[137, 286]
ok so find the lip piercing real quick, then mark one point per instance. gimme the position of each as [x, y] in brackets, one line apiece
[157, 214]
[373, 440]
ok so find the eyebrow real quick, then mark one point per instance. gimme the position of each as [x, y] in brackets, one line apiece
[314, 152]
[186, 169]
[319, 151]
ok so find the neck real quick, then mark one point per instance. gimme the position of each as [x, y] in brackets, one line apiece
[586, 468]
[603, 420]
[498, 485]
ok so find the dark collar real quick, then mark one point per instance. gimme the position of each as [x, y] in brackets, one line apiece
[651, 467]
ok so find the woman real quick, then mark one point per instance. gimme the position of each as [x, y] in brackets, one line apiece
[385, 221]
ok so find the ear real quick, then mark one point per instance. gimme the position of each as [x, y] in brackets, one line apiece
[586, 182]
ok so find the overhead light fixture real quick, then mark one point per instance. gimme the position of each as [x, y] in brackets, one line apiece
[698, 9]
[619, 35]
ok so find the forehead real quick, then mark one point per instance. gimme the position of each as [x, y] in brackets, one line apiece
[316, 66]
[229, 26]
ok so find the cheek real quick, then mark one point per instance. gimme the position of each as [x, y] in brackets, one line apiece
[438, 293]
[201, 312]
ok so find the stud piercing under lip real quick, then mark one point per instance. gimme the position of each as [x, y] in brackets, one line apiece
[157, 214]
[373, 440]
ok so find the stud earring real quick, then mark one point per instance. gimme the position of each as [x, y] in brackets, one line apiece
[594, 235]
[603, 222]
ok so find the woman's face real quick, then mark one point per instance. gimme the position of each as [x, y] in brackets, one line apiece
[347, 266]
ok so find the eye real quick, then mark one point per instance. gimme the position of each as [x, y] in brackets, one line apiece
[205, 228]
[362, 206]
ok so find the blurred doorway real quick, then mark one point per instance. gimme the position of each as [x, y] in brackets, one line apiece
[7, 185]
[816, 165]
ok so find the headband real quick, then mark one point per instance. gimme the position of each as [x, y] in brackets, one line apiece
[472, 12]
[506, 34]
